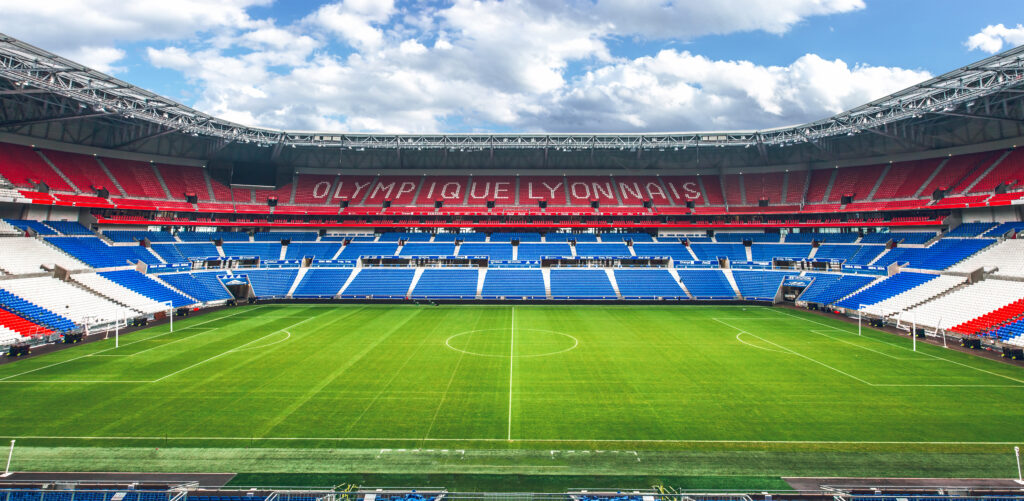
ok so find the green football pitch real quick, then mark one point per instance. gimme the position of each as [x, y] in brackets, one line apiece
[475, 394]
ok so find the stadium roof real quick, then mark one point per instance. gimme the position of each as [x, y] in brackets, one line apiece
[45, 96]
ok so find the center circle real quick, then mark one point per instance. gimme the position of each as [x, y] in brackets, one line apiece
[528, 343]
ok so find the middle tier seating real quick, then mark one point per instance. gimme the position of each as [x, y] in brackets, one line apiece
[380, 283]
[441, 283]
[648, 284]
[322, 282]
[513, 284]
[581, 284]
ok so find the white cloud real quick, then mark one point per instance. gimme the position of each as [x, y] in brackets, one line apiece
[536, 65]
[98, 58]
[992, 38]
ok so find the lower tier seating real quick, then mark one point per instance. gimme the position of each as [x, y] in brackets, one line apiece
[73, 303]
[914, 296]
[513, 284]
[107, 288]
[885, 289]
[965, 304]
[381, 283]
[446, 284]
[203, 286]
[141, 284]
[581, 284]
[322, 282]
[828, 288]
[270, 283]
[707, 284]
[648, 284]
[758, 285]
[20, 325]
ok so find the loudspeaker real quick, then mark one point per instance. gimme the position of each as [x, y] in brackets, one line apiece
[73, 338]
[762, 202]
[438, 204]
[543, 204]
[344, 203]
[191, 198]
[43, 187]
[939, 193]
[386, 204]
[690, 204]
[595, 204]
[272, 201]
[102, 192]
[18, 350]
[1013, 353]
[847, 198]
[490, 204]
[972, 343]
[648, 204]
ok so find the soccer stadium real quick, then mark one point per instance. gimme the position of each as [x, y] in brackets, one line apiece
[196, 309]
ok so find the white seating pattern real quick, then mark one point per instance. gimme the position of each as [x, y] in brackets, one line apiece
[62, 298]
[1007, 255]
[8, 337]
[122, 294]
[965, 304]
[915, 296]
[21, 255]
[7, 228]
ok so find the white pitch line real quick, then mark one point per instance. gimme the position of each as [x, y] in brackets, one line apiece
[535, 440]
[905, 348]
[4, 379]
[511, 363]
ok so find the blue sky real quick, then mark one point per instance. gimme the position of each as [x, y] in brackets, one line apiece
[520, 65]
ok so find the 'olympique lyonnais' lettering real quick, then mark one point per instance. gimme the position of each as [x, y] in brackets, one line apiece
[634, 191]
[582, 190]
[321, 189]
[389, 191]
[497, 190]
[356, 194]
[691, 189]
[547, 193]
[446, 191]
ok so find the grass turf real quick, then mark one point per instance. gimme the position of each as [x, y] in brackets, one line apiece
[663, 392]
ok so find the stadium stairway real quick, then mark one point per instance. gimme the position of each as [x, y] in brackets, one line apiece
[415, 280]
[546, 273]
[173, 288]
[615, 284]
[675, 275]
[480, 282]
[732, 279]
[298, 280]
[348, 280]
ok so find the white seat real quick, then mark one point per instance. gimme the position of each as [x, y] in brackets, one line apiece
[1007, 255]
[966, 304]
[21, 255]
[113, 290]
[74, 303]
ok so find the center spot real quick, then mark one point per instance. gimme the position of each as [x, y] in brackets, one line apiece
[497, 343]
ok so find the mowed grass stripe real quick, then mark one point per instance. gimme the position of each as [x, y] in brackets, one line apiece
[642, 375]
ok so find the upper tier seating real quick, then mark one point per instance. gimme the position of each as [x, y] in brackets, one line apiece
[901, 237]
[37, 226]
[711, 252]
[82, 170]
[828, 288]
[496, 252]
[581, 284]
[509, 236]
[209, 236]
[446, 284]
[676, 251]
[1008, 173]
[905, 179]
[622, 237]
[97, 254]
[534, 251]
[914, 296]
[758, 285]
[835, 251]
[1007, 256]
[885, 289]
[602, 250]
[513, 284]
[355, 250]
[322, 282]
[857, 181]
[270, 283]
[832, 238]
[266, 251]
[19, 326]
[316, 250]
[107, 288]
[766, 252]
[181, 180]
[138, 179]
[23, 167]
[424, 249]
[648, 284]
[865, 254]
[939, 256]
[381, 283]
[20, 255]
[465, 237]
[277, 236]
[141, 284]
[122, 236]
[707, 284]
[565, 237]
[970, 230]
[203, 286]
[183, 253]
[73, 303]
[966, 304]
[69, 227]
[754, 237]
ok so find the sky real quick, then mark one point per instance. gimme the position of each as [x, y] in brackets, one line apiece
[496, 66]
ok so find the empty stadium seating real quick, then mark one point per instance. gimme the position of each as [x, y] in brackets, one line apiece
[97, 254]
[270, 283]
[939, 256]
[73, 303]
[1005, 258]
[123, 236]
[382, 283]
[648, 284]
[970, 230]
[829, 288]
[322, 282]
[316, 250]
[108, 288]
[581, 284]
[26, 255]
[535, 251]
[266, 251]
[707, 284]
[141, 284]
[710, 252]
[19, 325]
[203, 286]
[885, 289]
[602, 250]
[767, 252]
[496, 252]
[914, 296]
[900, 237]
[966, 303]
[758, 285]
[355, 250]
[446, 284]
[417, 249]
